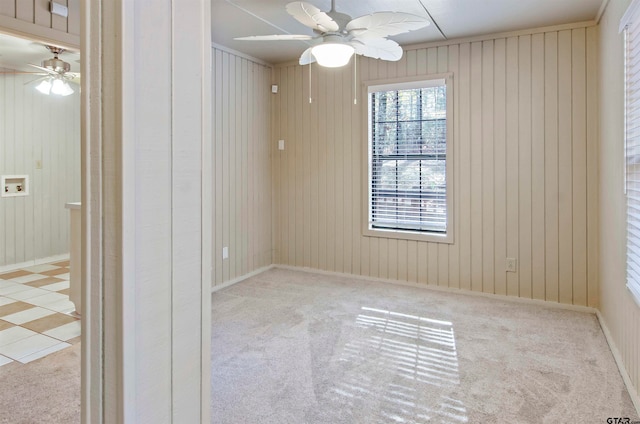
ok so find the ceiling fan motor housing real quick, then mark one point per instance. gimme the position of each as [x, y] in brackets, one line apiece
[56, 65]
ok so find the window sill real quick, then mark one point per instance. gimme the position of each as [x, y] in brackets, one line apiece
[635, 295]
[409, 235]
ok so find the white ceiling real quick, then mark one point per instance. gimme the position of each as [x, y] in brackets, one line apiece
[240, 18]
[456, 18]
[17, 53]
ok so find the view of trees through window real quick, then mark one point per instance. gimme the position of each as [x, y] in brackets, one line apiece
[408, 154]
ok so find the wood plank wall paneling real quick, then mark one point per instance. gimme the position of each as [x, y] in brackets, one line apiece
[620, 313]
[242, 179]
[37, 12]
[523, 166]
[46, 128]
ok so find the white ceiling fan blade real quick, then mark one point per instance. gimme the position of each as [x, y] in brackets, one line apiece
[309, 15]
[306, 58]
[279, 37]
[378, 48]
[36, 80]
[48, 71]
[384, 24]
[73, 77]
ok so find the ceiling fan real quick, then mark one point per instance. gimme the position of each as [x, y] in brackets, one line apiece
[341, 36]
[55, 74]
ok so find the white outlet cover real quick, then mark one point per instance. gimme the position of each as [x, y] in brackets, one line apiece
[280, 144]
[225, 253]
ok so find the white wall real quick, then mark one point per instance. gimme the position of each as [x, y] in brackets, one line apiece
[241, 185]
[621, 314]
[525, 166]
[35, 127]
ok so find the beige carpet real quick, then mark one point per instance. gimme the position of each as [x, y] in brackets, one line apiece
[43, 391]
[295, 347]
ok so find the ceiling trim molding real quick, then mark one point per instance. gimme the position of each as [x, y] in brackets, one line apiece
[603, 8]
[38, 33]
[242, 55]
[530, 31]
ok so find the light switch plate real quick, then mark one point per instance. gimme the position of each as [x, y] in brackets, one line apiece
[280, 144]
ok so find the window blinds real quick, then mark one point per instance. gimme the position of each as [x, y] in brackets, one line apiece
[630, 24]
[408, 137]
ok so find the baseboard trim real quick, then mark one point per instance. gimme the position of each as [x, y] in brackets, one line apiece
[56, 258]
[536, 302]
[241, 278]
[619, 362]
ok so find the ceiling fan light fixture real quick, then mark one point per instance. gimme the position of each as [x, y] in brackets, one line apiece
[44, 87]
[332, 55]
[61, 88]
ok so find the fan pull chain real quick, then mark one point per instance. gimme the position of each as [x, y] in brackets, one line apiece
[355, 79]
[310, 100]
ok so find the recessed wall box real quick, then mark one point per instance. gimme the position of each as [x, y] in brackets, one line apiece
[14, 185]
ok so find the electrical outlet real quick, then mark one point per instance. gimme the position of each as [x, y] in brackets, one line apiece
[280, 144]
[38, 164]
[512, 265]
[225, 252]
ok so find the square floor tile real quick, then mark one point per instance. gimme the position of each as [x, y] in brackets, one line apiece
[56, 286]
[44, 352]
[28, 278]
[66, 276]
[14, 307]
[56, 319]
[14, 334]
[4, 360]
[39, 268]
[14, 274]
[44, 281]
[13, 288]
[65, 332]
[64, 292]
[28, 315]
[27, 346]
[6, 300]
[27, 294]
[64, 306]
[4, 325]
[7, 283]
[55, 272]
[62, 263]
[46, 299]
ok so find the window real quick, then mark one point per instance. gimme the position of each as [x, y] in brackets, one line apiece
[630, 24]
[409, 150]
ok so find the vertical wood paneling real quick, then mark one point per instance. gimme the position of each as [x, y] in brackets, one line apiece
[242, 178]
[36, 12]
[579, 163]
[537, 168]
[35, 127]
[620, 314]
[488, 169]
[476, 98]
[512, 165]
[499, 160]
[463, 88]
[524, 165]
[521, 120]
[592, 163]
[551, 231]
[565, 176]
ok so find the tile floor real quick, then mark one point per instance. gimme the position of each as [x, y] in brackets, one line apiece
[36, 316]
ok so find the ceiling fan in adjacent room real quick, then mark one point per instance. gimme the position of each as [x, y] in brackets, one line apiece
[341, 36]
[55, 74]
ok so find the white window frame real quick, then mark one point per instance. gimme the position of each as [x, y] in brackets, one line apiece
[630, 26]
[422, 81]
